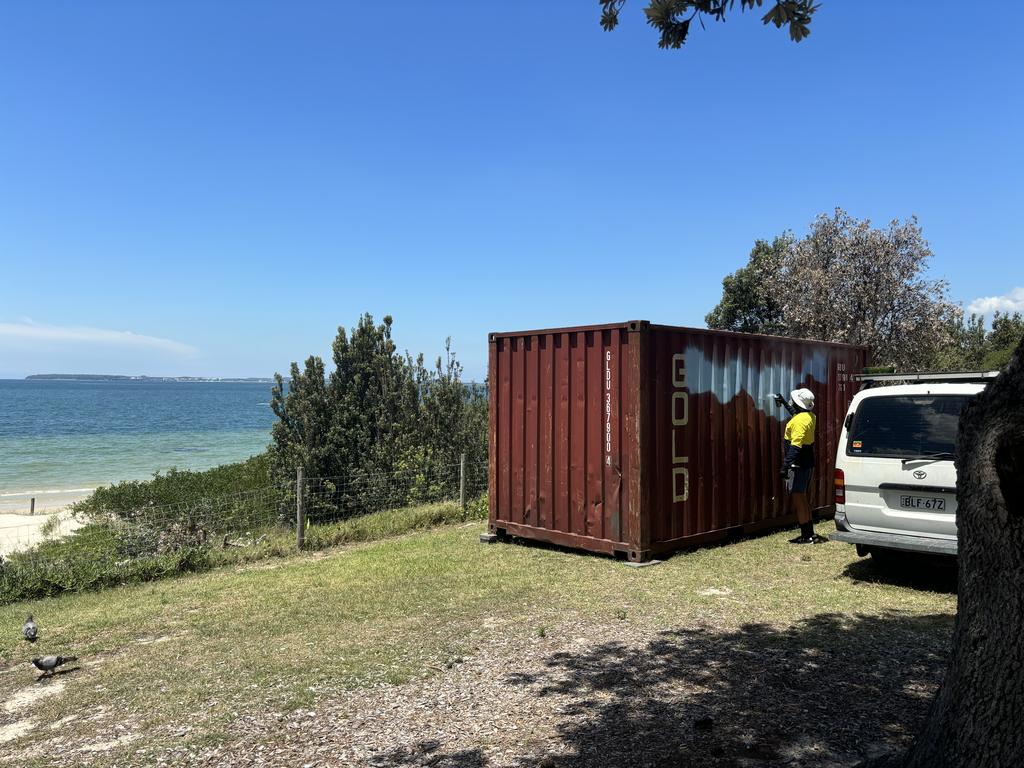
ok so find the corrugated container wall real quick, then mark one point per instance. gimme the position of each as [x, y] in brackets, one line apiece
[640, 439]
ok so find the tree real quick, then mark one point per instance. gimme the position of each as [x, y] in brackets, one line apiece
[299, 437]
[1007, 332]
[847, 282]
[965, 348]
[672, 18]
[748, 305]
[453, 421]
[867, 286]
[975, 719]
[971, 347]
[374, 398]
[381, 429]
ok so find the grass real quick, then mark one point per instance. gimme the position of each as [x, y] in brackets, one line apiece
[93, 558]
[283, 634]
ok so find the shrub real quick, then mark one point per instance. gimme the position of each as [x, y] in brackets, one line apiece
[176, 487]
[112, 552]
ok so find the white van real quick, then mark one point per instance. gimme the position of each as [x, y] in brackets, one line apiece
[895, 480]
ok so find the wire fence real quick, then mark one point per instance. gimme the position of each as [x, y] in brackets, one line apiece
[101, 544]
[21, 531]
[150, 528]
[337, 498]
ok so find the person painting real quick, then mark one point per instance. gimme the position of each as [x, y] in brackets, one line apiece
[798, 464]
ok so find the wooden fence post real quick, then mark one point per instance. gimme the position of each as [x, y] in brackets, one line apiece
[32, 508]
[300, 508]
[462, 481]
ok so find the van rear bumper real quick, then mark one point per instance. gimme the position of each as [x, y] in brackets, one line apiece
[897, 541]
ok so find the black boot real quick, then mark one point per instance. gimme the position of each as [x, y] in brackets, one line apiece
[806, 536]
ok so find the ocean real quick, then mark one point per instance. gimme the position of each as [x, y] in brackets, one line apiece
[61, 439]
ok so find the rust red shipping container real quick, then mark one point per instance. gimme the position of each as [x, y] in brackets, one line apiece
[640, 439]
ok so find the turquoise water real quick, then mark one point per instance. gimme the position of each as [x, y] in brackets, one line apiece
[58, 439]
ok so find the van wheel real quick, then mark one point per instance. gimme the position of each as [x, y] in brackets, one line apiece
[862, 550]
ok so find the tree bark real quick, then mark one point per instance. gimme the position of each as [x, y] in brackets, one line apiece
[977, 718]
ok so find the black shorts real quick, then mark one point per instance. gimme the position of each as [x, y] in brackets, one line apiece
[801, 479]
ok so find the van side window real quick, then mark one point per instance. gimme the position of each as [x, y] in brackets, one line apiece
[903, 426]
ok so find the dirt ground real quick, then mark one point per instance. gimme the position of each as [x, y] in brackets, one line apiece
[828, 692]
[754, 654]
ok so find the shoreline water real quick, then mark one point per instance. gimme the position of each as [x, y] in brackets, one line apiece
[60, 440]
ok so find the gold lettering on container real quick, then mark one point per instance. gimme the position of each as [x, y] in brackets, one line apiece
[680, 412]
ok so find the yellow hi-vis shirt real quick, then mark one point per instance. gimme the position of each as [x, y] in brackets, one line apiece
[800, 429]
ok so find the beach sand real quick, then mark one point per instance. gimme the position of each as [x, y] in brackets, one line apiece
[48, 502]
[19, 529]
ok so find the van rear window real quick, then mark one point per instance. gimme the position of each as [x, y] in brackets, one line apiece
[903, 426]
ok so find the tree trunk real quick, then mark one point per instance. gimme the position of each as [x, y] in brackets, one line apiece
[977, 718]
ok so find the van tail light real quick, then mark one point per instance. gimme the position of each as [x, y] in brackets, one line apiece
[840, 483]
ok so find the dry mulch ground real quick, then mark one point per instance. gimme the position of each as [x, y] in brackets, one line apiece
[829, 692]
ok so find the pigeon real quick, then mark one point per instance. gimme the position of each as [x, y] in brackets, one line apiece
[50, 663]
[29, 630]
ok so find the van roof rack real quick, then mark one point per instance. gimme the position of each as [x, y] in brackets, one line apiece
[933, 376]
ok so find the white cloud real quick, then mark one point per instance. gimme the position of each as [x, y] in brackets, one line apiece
[27, 330]
[1009, 302]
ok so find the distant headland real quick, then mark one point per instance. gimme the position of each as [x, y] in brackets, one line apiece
[111, 377]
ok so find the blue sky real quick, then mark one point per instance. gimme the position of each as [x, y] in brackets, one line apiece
[212, 188]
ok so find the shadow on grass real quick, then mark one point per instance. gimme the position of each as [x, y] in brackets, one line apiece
[57, 673]
[831, 690]
[932, 573]
[728, 539]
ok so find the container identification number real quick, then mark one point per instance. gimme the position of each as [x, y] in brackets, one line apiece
[608, 407]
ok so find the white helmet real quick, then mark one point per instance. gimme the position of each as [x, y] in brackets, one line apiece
[803, 398]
